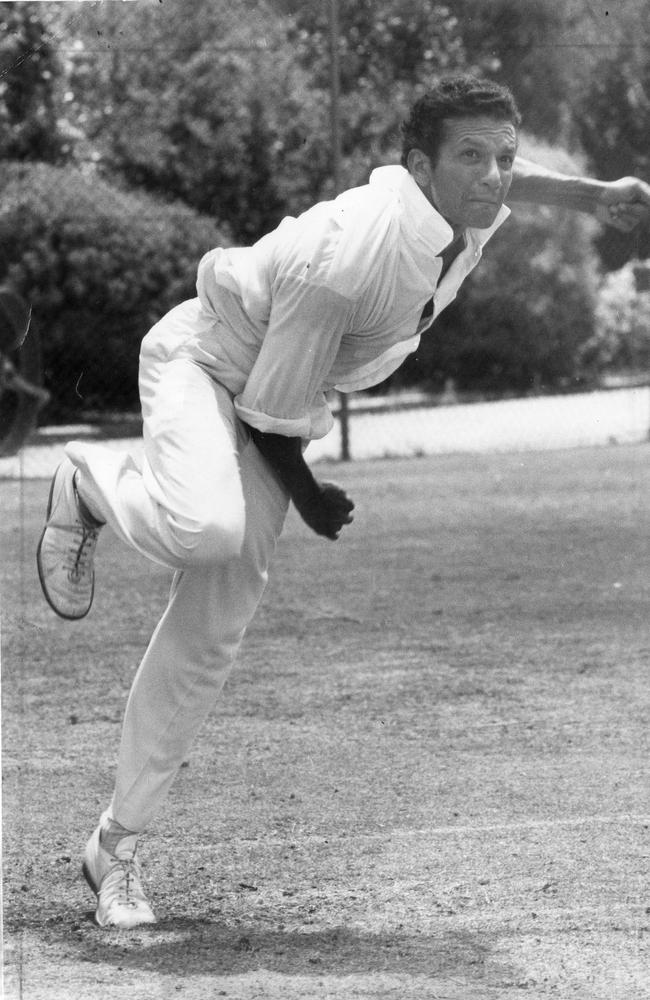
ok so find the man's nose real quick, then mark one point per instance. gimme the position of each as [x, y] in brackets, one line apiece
[492, 176]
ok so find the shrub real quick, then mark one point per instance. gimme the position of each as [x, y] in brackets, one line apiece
[621, 340]
[99, 266]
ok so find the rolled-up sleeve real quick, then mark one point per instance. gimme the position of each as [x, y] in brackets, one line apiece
[284, 390]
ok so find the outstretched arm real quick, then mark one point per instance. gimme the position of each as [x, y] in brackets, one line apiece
[623, 203]
[325, 507]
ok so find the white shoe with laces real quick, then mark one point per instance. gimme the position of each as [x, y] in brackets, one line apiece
[66, 548]
[112, 871]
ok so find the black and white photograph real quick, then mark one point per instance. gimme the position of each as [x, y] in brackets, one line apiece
[325, 499]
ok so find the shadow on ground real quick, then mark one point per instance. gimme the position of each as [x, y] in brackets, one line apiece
[204, 947]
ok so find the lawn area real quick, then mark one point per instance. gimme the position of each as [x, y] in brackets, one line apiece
[427, 777]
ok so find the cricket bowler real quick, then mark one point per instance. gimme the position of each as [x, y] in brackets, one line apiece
[233, 384]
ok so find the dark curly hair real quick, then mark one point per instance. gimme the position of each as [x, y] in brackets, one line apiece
[454, 97]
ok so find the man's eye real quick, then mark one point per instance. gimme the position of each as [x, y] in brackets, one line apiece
[471, 154]
[507, 161]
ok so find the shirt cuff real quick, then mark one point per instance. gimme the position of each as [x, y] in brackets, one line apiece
[316, 424]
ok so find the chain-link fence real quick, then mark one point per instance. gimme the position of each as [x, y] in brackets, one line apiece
[409, 425]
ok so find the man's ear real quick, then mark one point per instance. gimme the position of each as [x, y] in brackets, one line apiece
[419, 166]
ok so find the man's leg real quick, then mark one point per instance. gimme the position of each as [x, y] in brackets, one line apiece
[182, 507]
[192, 651]
[187, 662]
[185, 505]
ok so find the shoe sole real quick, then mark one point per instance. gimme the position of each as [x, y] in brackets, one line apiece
[89, 879]
[41, 576]
[91, 882]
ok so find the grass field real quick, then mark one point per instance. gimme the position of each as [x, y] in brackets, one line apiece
[427, 777]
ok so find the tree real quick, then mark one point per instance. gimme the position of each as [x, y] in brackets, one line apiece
[234, 117]
[513, 41]
[29, 74]
[614, 126]
[202, 107]
[389, 52]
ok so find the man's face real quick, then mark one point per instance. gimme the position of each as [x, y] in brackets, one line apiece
[472, 174]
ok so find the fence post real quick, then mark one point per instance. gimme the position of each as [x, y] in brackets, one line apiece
[335, 86]
[344, 420]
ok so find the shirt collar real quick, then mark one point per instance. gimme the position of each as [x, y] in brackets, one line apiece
[481, 236]
[422, 221]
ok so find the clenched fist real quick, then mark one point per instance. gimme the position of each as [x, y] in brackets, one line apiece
[326, 509]
[624, 204]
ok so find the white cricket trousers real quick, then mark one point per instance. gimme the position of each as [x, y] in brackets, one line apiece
[205, 503]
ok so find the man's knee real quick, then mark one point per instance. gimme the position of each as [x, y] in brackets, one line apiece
[210, 539]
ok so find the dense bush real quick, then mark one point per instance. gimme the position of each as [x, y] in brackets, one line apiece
[613, 120]
[31, 74]
[621, 340]
[99, 266]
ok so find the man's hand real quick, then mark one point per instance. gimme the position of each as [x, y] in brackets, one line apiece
[326, 509]
[624, 204]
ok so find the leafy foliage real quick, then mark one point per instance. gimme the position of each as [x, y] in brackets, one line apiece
[203, 108]
[29, 71]
[99, 266]
[224, 106]
[235, 120]
[388, 53]
[621, 340]
[614, 126]
[512, 41]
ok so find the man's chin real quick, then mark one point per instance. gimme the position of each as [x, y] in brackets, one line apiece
[483, 215]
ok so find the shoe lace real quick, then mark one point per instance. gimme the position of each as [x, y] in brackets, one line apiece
[80, 552]
[127, 882]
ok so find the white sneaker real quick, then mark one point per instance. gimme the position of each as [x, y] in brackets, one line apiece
[67, 548]
[113, 873]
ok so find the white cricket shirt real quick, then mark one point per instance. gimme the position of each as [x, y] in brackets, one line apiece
[329, 300]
